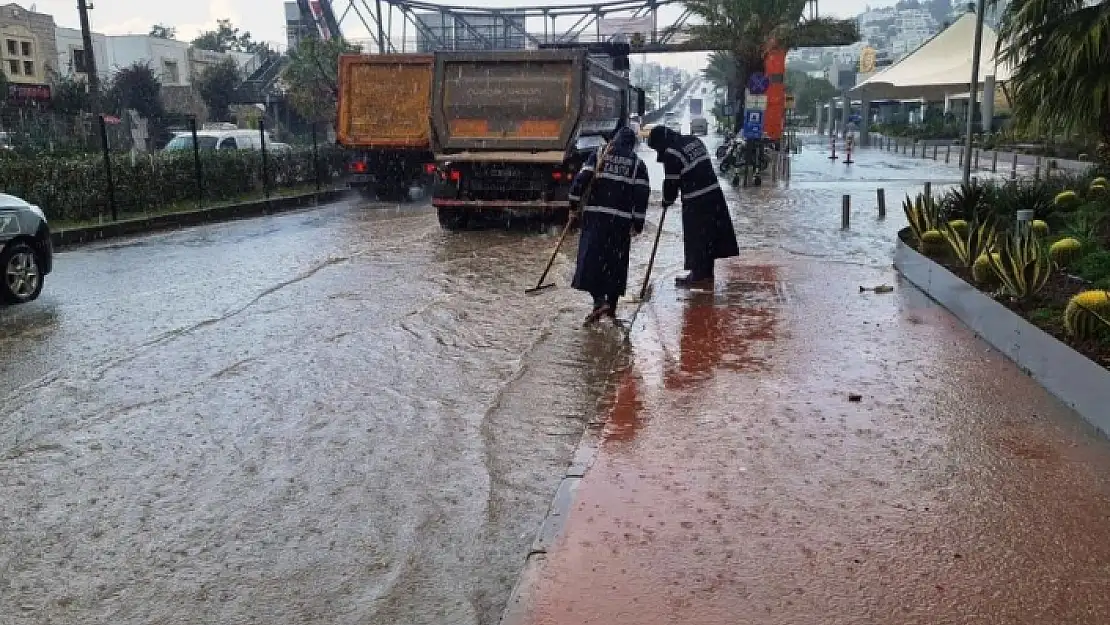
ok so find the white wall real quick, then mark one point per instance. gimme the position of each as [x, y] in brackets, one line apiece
[69, 39]
[125, 50]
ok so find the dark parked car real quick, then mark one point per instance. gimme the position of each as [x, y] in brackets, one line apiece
[26, 255]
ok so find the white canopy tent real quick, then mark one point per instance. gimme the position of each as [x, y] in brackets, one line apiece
[940, 67]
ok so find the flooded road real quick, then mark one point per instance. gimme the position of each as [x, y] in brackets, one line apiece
[339, 416]
[344, 415]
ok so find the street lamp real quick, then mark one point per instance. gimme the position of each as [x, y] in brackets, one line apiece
[977, 54]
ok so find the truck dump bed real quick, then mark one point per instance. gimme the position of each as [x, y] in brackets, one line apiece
[532, 101]
[384, 100]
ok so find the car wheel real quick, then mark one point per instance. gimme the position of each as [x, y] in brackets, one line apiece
[20, 274]
[452, 219]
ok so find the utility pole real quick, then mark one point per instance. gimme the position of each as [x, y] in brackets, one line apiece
[90, 59]
[972, 102]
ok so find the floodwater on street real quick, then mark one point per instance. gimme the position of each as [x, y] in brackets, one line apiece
[341, 415]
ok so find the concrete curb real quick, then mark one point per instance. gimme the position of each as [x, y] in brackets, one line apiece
[1072, 377]
[87, 234]
[521, 598]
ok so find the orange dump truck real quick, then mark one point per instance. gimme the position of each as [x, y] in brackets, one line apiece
[510, 128]
[384, 107]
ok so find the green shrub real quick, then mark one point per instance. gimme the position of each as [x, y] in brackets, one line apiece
[74, 188]
[1022, 265]
[1094, 266]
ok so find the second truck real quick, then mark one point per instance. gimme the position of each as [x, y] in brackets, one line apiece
[382, 121]
[511, 128]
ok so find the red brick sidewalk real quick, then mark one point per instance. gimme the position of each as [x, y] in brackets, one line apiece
[736, 482]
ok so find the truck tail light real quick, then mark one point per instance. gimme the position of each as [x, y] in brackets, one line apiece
[455, 175]
[557, 175]
[357, 167]
[429, 168]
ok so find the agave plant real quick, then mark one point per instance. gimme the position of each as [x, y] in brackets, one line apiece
[922, 214]
[970, 242]
[1022, 264]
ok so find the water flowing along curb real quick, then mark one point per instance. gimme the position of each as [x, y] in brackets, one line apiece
[227, 212]
[1072, 377]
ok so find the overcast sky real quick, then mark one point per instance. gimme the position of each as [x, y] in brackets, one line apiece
[265, 19]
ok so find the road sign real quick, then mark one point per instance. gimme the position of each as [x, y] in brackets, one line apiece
[855, 118]
[753, 125]
[758, 102]
[758, 83]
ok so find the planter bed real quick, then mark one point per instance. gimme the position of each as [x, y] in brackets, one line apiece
[1077, 373]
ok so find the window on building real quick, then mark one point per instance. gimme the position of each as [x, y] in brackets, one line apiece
[79, 62]
[25, 48]
[28, 68]
[12, 48]
[170, 72]
[13, 68]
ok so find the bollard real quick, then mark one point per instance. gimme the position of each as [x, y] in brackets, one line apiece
[775, 167]
[948, 155]
[1013, 167]
[848, 151]
[936, 148]
[1037, 171]
[978, 151]
[881, 197]
[913, 152]
[928, 190]
[845, 212]
[994, 161]
[833, 146]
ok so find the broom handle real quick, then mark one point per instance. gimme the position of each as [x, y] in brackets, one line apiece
[570, 217]
[654, 248]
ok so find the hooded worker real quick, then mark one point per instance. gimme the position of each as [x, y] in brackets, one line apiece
[612, 197]
[706, 223]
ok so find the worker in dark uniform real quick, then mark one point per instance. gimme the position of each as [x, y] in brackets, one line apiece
[615, 196]
[706, 223]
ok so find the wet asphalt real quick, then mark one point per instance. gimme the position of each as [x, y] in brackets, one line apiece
[341, 415]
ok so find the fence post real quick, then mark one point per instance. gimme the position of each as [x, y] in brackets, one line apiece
[882, 202]
[1037, 171]
[978, 152]
[928, 190]
[108, 169]
[948, 155]
[845, 212]
[315, 158]
[1013, 167]
[265, 159]
[936, 148]
[913, 153]
[994, 161]
[196, 162]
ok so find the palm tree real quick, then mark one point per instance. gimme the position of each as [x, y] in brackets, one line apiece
[749, 29]
[1059, 52]
[721, 70]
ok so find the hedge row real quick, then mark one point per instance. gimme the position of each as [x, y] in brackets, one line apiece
[76, 189]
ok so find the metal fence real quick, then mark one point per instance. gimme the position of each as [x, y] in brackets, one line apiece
[95, 188]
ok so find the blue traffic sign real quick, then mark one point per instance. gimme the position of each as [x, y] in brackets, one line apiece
[855, 118]
[753, 125]
[758, 83]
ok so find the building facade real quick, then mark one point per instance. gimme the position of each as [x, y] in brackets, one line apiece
[28, 56]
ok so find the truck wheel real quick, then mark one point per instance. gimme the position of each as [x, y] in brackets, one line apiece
[452, 220]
